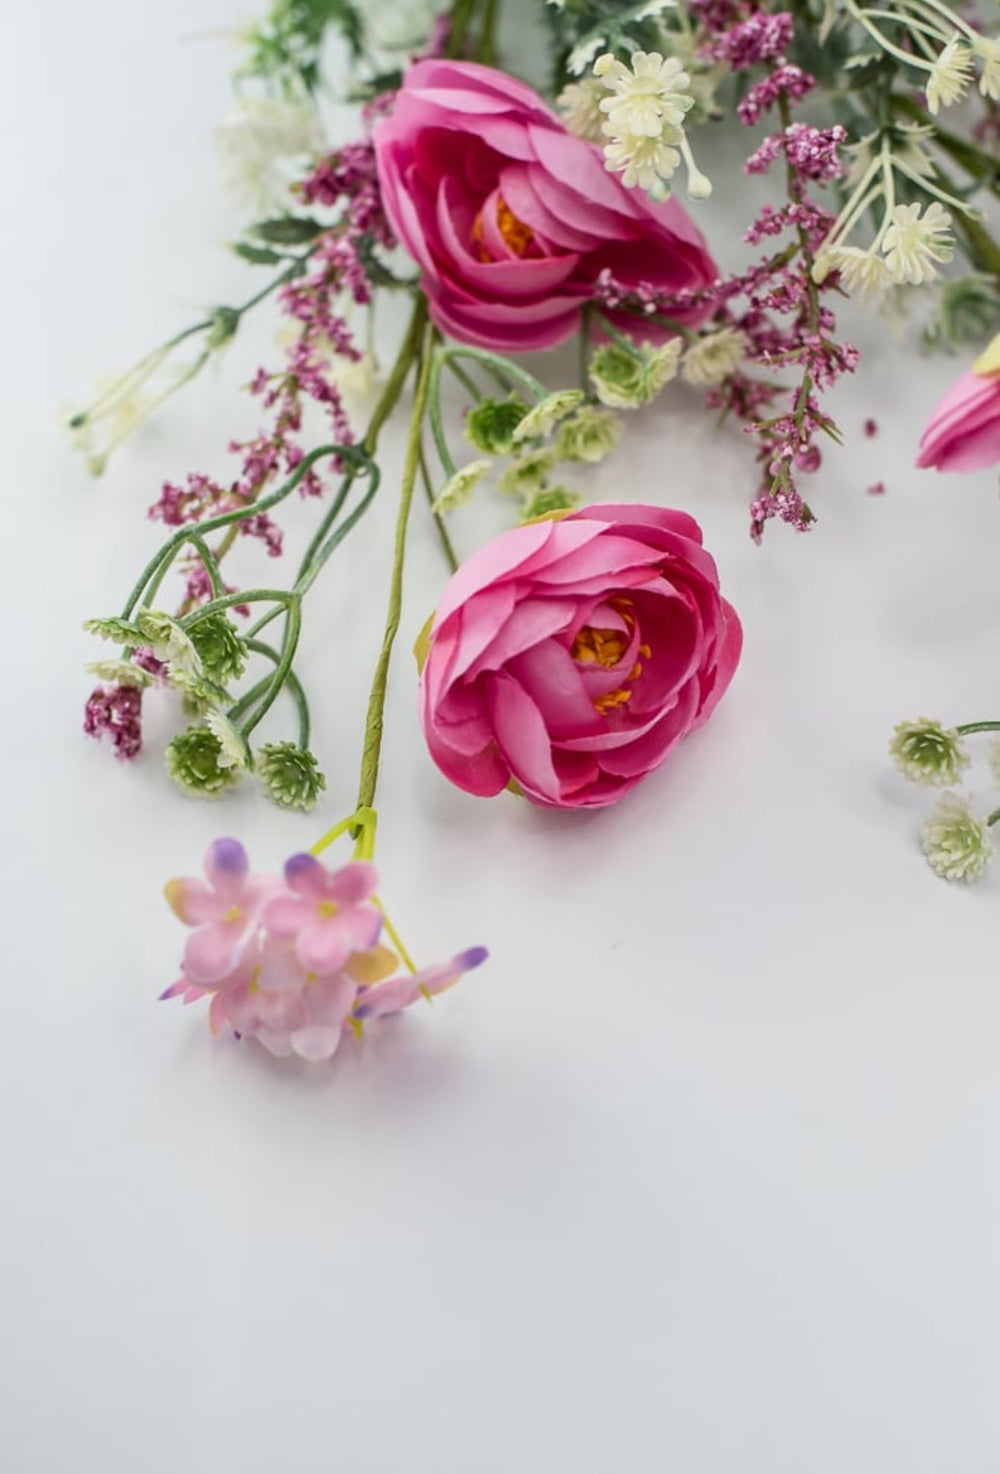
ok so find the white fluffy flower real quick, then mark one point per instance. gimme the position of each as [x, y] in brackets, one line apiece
[988, 51]
[913, 242]
[641, 161]
[860, 271]
[580, 106]
[644, 100]
[949, 76]
[258, 140]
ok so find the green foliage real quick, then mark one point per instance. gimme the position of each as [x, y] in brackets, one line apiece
[285, 49]
[288, 230]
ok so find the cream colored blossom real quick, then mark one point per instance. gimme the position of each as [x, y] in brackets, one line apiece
[580, 106]
[258, 140]
[987, 49]
[645, 162]
[913, 242]
[860, 271]
[949, 76]
[644, 99]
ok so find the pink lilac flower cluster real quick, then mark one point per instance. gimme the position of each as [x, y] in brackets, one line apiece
[337, 268]
[295, 963]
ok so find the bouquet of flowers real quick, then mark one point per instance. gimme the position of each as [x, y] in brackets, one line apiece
[569, 655]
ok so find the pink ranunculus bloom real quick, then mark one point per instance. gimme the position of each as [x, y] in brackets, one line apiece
[963, 433]
[570, 656]
[511, 218]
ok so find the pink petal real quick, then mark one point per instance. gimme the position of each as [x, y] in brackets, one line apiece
[192, 902]
[285, 915]
[212, 952]
[226, 866]
[353, 883]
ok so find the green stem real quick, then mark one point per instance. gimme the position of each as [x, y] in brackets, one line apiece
[442, 531]
[166, 553]
[293, 627]
[992, 818]
[292, 682]
[967, 729]
[372, 748]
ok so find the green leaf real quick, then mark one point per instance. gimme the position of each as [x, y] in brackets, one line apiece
[257, 255]
[290, 230]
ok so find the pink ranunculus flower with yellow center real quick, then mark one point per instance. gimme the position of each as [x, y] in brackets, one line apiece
[567, 657]
[512, 218]
[963, 433]
[305, 963]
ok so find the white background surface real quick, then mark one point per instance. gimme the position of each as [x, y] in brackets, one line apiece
[700, 1174]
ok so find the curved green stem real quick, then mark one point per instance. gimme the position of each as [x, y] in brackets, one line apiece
[293, 627]
[167, 551]
[294, 687]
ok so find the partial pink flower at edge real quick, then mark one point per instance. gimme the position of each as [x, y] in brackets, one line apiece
[963, 433]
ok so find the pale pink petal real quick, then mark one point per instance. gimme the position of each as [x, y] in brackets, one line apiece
[192, 902]
[212, 952]
[353, 883]
[286, 914]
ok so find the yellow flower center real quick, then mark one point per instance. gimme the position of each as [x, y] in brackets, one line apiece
[516, 235]
[606, 648]
[326, 908]
[233, 914]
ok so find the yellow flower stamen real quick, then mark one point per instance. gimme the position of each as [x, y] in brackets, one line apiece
[516, 235]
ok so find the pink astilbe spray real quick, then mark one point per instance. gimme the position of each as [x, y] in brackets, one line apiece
[780, 311]
[295, 963]
[338, 267]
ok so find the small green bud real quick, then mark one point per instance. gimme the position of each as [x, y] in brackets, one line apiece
[217, 641]
[549, 500]
[589, 435]
[714, 357]
[968, 307]
[527, 474]
[169, 640]
[955, 842]
[118, 631]
[626, 378]
[234, 750]
[546, 414]
[121, 673]
[925, 752]
[490, 426]
[459, 487]
[225, 321]
[200, 694]
[194, 762]
[291, 775]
